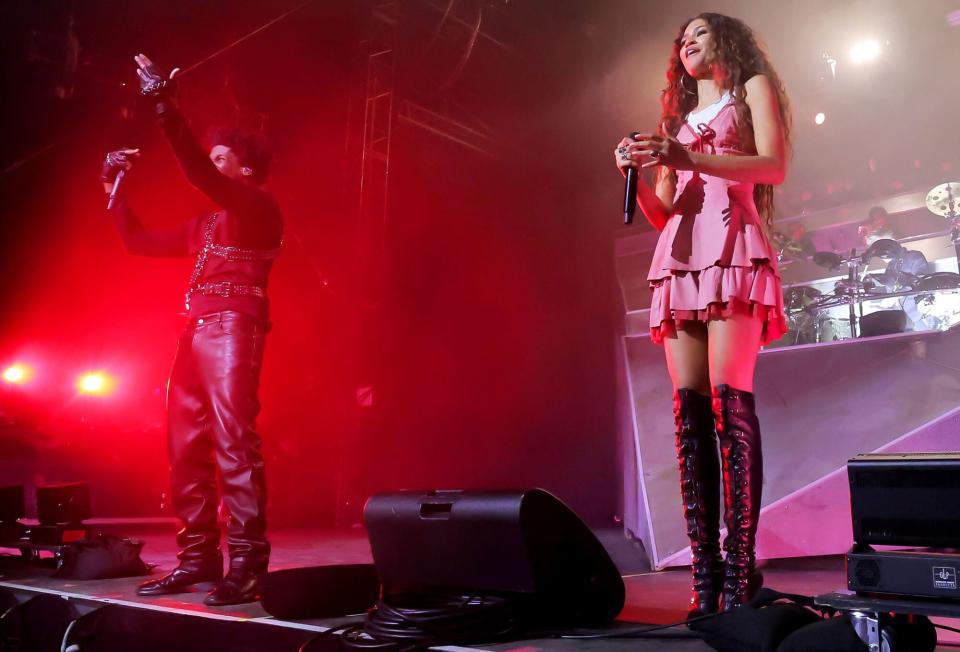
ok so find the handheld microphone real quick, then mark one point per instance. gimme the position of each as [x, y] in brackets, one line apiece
[111, 200]
[630, 189]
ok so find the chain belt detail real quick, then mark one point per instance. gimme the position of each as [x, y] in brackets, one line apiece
[224, 289]
[234, 254]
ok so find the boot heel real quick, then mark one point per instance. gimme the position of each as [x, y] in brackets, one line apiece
[738, 430]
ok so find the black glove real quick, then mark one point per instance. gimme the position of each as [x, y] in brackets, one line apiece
[113, 163]
[153, 83]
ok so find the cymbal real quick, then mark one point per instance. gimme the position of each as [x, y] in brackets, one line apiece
[939, 199]
[938, 281]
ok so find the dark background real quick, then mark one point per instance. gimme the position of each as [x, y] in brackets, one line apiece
[486, 325]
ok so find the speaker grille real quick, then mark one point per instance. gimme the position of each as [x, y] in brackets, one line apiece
[867, 573]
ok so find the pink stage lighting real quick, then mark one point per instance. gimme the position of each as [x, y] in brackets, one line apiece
[95, 383]
[17, 374]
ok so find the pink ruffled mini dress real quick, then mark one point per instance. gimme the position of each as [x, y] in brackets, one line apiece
[713, 258]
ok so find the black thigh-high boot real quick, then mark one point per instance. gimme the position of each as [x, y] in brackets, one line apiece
[739, 433]
[700, 490]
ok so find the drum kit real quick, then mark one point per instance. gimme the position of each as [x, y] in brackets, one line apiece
[932, 300]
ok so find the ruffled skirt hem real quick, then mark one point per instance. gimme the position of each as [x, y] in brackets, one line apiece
[717, 293]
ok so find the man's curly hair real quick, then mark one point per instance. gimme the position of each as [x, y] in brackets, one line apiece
[249, 148]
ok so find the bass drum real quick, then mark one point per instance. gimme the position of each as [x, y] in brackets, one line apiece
[938, 300]
[802, 328]
[831, 329]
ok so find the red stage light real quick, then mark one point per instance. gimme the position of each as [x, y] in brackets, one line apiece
[95, 383]
[17, 374]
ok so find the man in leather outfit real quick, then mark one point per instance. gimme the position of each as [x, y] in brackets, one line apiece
[212, 394]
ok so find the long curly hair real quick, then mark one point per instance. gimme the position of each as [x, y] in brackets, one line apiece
[739, 56]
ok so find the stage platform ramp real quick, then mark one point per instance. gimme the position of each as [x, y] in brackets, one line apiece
[819, 405]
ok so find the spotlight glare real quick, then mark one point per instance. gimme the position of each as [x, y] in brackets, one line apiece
[95, 383]
[820, 118]
[16, 374]
[865, 51]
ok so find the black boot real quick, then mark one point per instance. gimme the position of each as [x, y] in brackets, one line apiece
[739, 433]
[241, 584]
[182, 578]
[700, 489]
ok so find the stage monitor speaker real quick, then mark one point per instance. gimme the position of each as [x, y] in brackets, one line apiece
[906, 499]
[12, 506]
[320, 591]
[525, 542]
[883, 322]
[63, 504]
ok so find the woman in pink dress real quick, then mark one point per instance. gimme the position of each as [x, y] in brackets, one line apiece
[723, 144]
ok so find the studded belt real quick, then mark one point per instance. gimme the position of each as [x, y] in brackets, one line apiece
[227, 289]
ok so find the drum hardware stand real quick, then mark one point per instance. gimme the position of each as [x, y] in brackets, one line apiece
[854, 293]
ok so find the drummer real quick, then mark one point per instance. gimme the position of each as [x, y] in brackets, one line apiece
[902, 269]
[877, 226]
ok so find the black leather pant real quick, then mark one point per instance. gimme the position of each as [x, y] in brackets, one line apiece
[212, 406]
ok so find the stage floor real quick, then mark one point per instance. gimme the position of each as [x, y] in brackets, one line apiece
[652, 597]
